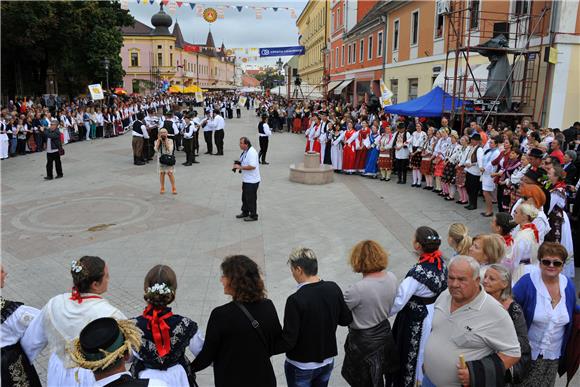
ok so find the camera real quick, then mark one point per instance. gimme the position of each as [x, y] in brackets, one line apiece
[237, 162]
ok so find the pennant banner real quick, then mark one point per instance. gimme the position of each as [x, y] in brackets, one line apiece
[220, 12]
[258, 13]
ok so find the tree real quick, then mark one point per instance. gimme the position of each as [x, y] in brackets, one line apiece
[69, 37]
[270, 78]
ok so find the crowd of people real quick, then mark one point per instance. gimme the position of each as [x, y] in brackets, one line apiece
[461, 320]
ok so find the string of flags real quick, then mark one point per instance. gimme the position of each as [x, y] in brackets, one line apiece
[199, 8]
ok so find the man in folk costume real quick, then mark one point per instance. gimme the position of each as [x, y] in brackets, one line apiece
[139, 133]
[401, 142]
[325, 127]
[312, 133]
[349, 151]
[188, 135]
[361, 152]
[104, 346]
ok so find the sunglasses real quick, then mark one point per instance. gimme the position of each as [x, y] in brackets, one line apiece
[548, 263]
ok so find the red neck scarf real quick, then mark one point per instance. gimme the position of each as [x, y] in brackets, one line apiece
[76, 296]
[560, 184]
[431, 258]
[159, 329]
[532, 227]
[509, 240]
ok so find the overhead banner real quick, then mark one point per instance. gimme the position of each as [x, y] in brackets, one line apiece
[198, 96]
[96, 92]
[282, 51]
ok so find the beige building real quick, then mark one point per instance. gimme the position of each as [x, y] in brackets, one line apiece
[314, 32]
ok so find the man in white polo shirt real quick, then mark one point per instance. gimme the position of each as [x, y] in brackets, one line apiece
[469, 324]
[249, 166]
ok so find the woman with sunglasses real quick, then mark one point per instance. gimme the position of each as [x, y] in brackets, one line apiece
[548, 299]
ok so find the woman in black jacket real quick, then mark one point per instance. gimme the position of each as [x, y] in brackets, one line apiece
[239, 352]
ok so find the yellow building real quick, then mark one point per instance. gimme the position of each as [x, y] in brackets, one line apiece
[314, 28]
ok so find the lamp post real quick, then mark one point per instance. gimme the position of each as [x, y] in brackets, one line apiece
[105, 62]
[279, 63]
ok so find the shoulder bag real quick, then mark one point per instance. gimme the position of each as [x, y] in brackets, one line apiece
[255, 324]
[166, 158]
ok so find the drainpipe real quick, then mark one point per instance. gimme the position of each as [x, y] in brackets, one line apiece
[384, 19]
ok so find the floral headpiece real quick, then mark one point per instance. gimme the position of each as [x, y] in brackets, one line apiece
[161, 288]
[75, 267]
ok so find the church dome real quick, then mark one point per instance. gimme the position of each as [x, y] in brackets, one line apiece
[161, 21]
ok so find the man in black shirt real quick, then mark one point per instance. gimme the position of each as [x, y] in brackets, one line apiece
[311, 317]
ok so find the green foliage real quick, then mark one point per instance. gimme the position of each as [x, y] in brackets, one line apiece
[69, 37]
[270, 78]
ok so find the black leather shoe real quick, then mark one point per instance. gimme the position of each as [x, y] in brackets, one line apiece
[195, 162]
[47, 178]
[470, 208]
[59, 176]
[250, 218]
[186, 164]
[266, 163]
[139, 163]
[242, 215]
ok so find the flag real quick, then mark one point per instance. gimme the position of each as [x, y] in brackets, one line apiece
[199, 10]
[138, 1]
[293, 13]
[179, 4]
[191, 48]
[259, 13]
[165, 2]
[275, 9]
[192, 5]
[239, 7]
[151, 2]
[220, 12]
[125, 4]
[171, 7]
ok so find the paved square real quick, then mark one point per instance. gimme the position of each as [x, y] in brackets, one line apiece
[105, 206]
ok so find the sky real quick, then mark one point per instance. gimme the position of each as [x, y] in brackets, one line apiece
[236, 29]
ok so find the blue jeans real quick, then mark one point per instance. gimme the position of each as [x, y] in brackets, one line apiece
[426, 382]
[319, 377]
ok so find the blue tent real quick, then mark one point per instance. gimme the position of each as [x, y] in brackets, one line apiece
[432, 104]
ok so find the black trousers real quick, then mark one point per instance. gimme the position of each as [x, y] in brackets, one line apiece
[53, 158]
[177, 141]
[500, 198]
[401, 166]
[219, 141]
[188, 147]
[250, 199]
[207, 135]
[196, 142]
[264, 141]
[473, 185]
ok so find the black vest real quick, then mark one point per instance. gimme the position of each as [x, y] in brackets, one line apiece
[168, 124]
[261, 128]
[128, 381]
[137, 127]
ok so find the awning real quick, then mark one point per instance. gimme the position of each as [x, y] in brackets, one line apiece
[341, 87]
[333, 84]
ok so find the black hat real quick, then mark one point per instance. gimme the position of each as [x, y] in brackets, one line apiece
[100, 337]
[169, 113]
[265, 115]
[323, 113]
[476, 136]
[401, 125]
[537, 175]
[535, 152]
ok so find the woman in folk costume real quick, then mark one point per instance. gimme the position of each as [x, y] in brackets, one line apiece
[166, 336]
[401, 142]
[414, 305]
[305, 120]
[64, 316]
[336, 149]
[361, 152]
[427, 158]
[16, 368]
[526, 242]
[560, 230]
[507, 167]
[386, 154]
[372, 153]
[351, 141]
[439, 159]
[534, 195]
[449, 172]
[418, 141]
[312, 134]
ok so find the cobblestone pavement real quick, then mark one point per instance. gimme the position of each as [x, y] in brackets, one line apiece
[105, 206]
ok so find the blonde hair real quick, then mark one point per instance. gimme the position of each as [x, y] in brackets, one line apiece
[368, 257]
[530, 211]
[459, 234]
[493, 246]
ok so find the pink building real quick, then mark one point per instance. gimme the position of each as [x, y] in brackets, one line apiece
[153, 54]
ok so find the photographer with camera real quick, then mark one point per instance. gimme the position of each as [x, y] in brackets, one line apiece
[166, 160]
[248, 165]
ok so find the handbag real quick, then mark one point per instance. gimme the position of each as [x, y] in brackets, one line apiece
[61, 151]
[255, 324]
[166, 158]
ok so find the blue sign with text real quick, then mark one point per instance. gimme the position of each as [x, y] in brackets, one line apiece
[282, 51]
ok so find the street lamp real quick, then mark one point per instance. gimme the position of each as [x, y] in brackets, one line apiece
[105, 62]
[279, 63]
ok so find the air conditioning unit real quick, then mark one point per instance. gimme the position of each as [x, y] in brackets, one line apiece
[442, 7]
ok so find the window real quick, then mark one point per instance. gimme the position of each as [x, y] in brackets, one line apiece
[413, 86]
[396, 36]
[349, 54]
[362, 50]
[170, 59]
[338, 16]
[380, 44]
[474, 14]
[414, 28]
[343, 55]
[439, 22]
[370, 47]
[336, 58]
[521, 7]
[159, 59]
[134, 59]
[394, 90]
[354, 52]
[159, 47]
